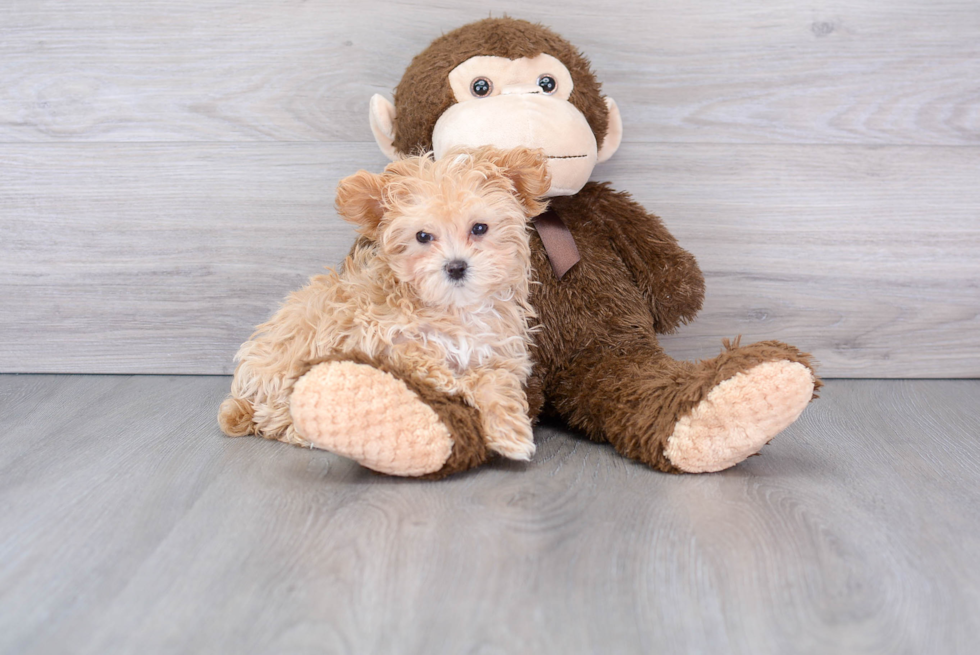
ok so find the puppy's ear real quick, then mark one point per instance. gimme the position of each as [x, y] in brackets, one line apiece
[359, 200]
[528, 170]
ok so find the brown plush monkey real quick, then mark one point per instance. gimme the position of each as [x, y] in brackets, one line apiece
[611, 276]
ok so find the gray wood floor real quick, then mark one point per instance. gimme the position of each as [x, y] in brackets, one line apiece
[128, 524]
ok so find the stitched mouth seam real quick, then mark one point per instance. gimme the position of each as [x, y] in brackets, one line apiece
[566, 156]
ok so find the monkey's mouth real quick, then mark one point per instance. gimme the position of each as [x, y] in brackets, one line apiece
[566, 156]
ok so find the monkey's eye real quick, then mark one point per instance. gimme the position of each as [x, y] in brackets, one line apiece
[547, 84]
[424, 237]
[479, 229]
[481, 87]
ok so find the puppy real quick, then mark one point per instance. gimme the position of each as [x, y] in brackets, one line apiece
[437, 286]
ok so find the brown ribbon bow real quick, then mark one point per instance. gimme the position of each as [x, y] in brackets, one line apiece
[558, 242]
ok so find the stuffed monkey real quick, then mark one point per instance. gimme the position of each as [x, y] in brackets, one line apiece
[611, 277]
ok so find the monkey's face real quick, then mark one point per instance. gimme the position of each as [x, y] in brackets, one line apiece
[508, 103]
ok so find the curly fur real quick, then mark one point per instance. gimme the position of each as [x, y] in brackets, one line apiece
[393, 300]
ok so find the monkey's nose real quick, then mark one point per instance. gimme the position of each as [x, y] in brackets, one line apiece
[456, 270]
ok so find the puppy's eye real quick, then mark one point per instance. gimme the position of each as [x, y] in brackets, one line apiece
[479, 229]
[481, 87]
[424, 237]
[547, 84]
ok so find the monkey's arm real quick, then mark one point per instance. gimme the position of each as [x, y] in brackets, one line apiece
[668, 275]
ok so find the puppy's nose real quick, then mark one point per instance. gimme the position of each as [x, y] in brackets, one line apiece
[456, 269]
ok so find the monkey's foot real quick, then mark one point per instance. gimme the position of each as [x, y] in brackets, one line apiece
[370, 416]
[739, 416]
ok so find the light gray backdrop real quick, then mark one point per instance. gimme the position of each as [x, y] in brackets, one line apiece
[167, 168]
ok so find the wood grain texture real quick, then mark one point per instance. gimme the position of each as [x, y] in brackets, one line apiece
[166, 168]
[131, 525]
[711, 71]
[867, 257]
[161, 258]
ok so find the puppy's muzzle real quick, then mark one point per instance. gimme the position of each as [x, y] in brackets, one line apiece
[456, 270]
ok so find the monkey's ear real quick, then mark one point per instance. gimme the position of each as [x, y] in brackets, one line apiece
[359, 201]
[528, 169]
[614, 133]
[382, 118]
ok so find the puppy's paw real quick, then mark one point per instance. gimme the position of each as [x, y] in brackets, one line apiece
[515, 440]
[521, 451]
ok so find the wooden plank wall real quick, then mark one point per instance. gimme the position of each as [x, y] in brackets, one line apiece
[167, 168]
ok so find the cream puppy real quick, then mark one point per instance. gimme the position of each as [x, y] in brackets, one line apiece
[437, 285]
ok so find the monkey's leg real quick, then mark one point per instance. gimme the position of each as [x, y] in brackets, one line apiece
[687, 417]
[385, 421]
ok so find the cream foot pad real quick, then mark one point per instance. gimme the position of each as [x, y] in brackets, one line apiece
[371, 417]
[739, 416]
